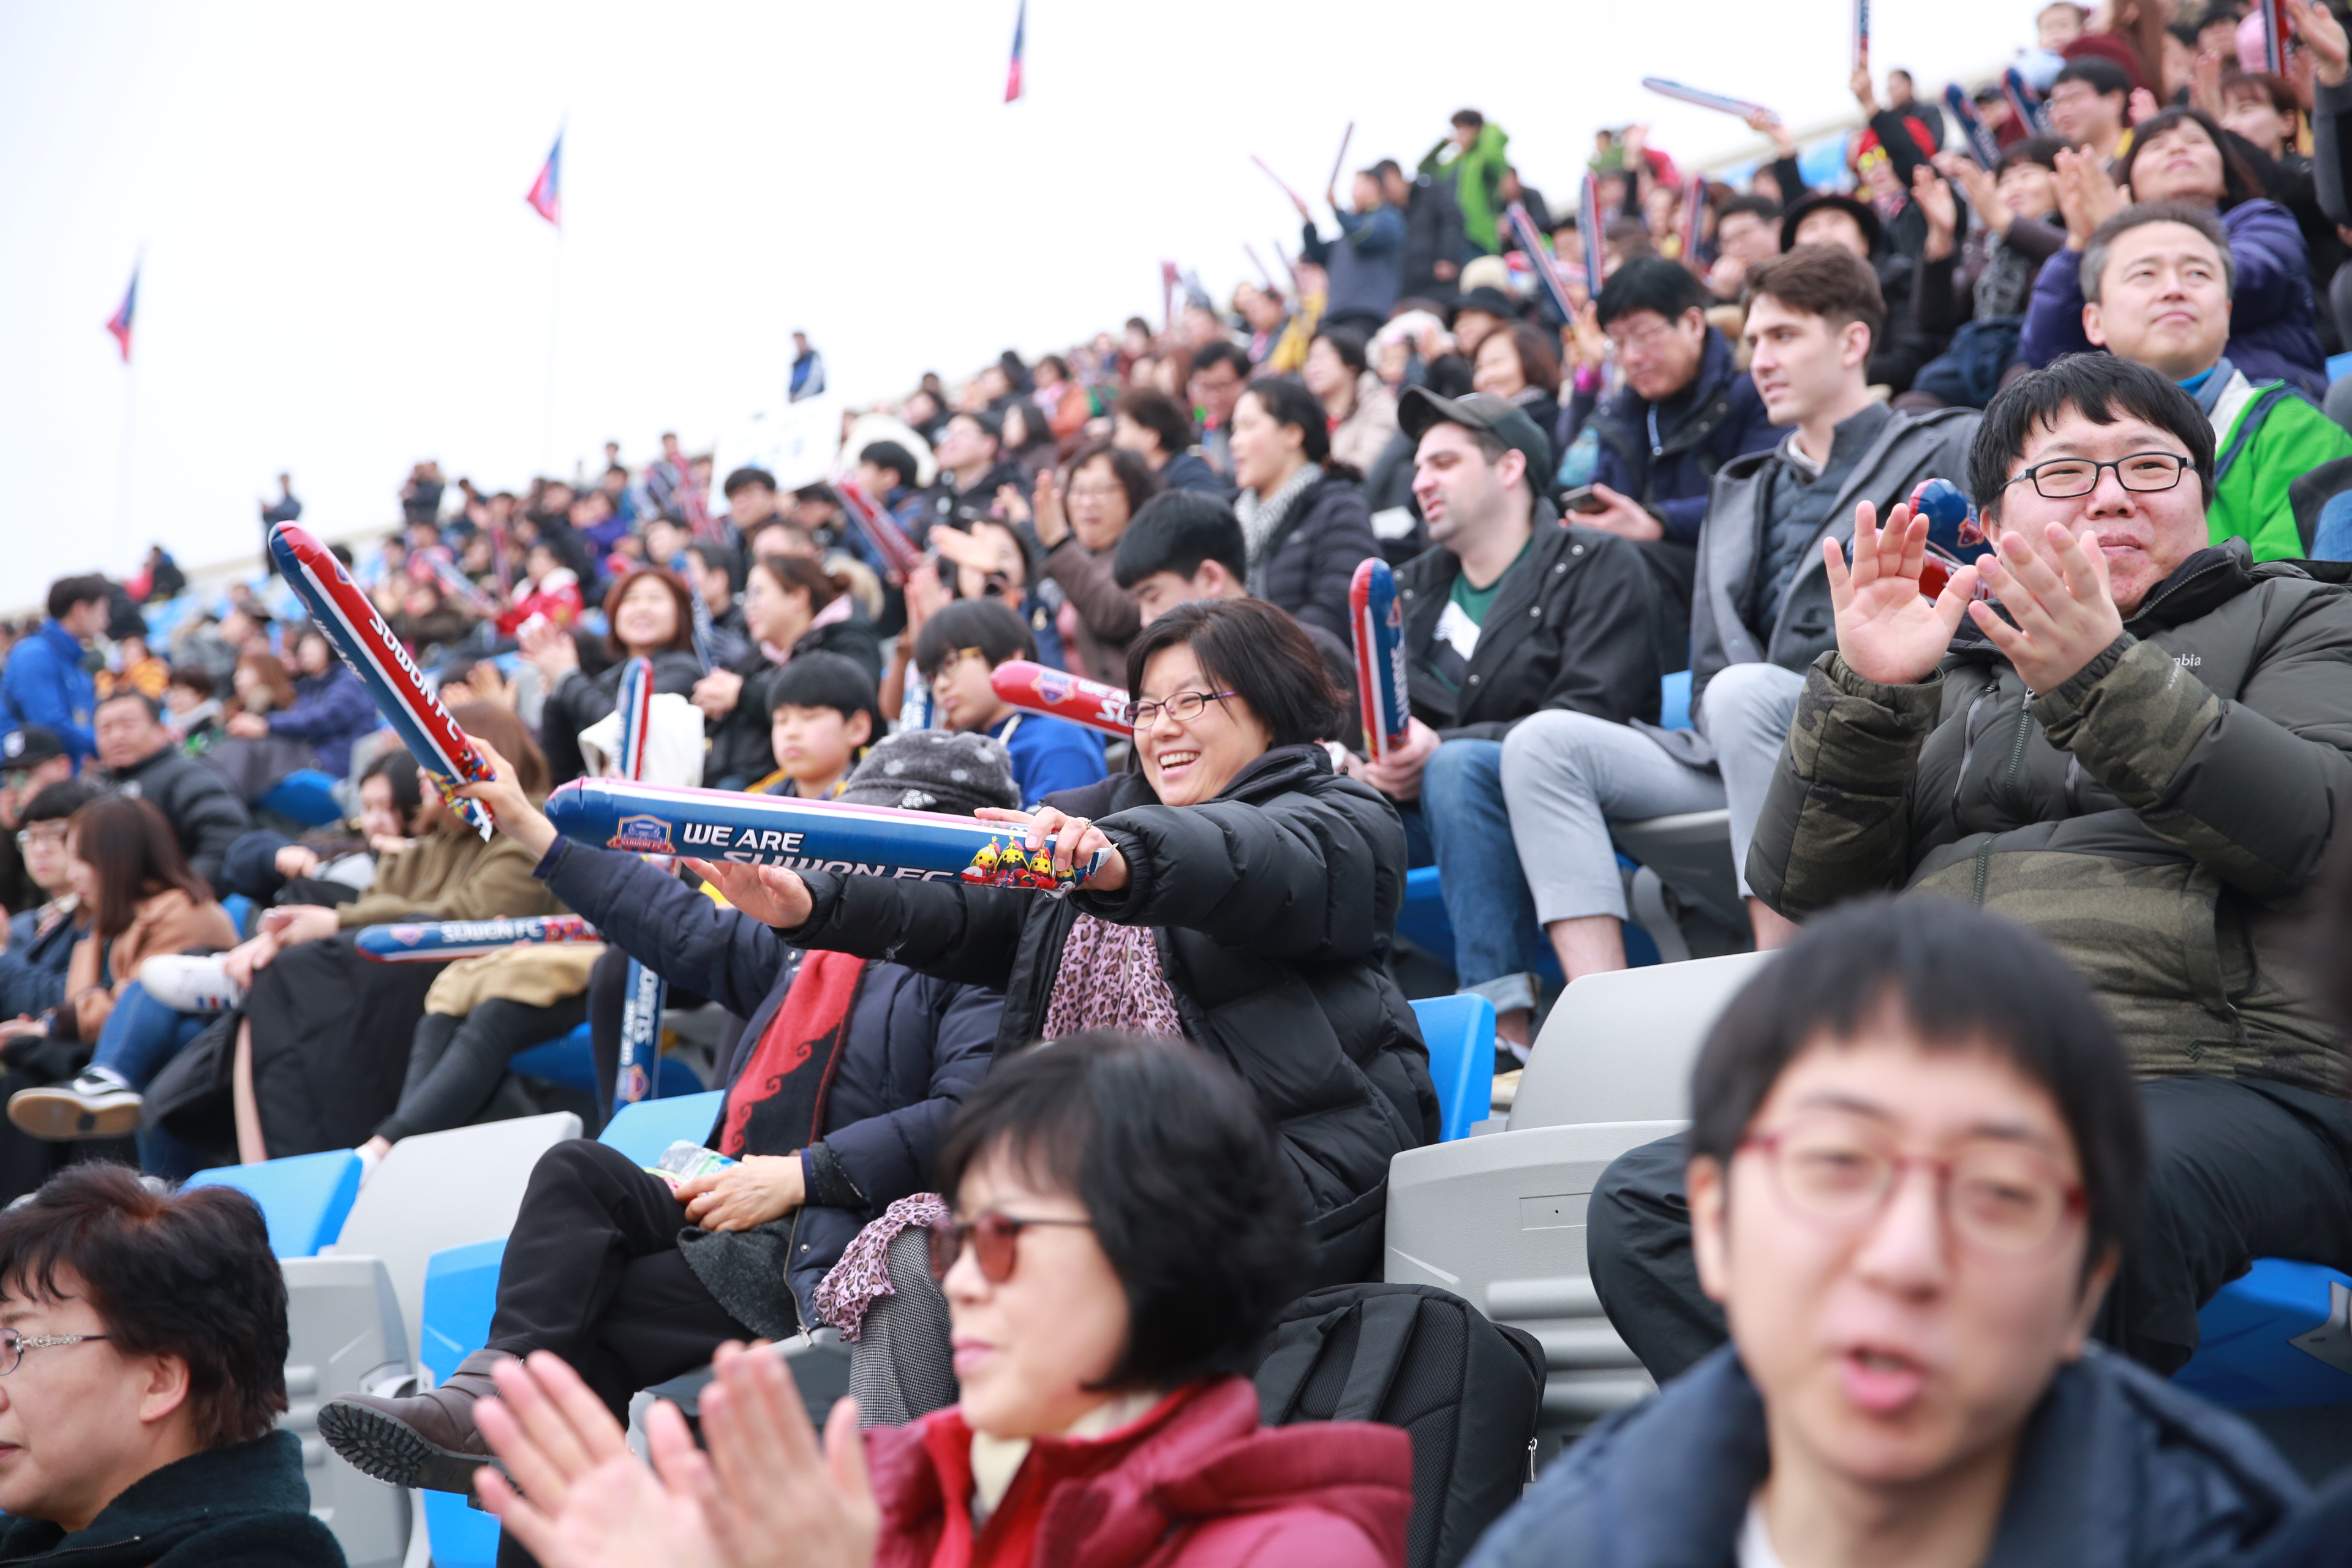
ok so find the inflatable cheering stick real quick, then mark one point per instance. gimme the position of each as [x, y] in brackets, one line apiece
[803, 835]
[430, 942]
[364, 643]
[1378, 623]
[1955, 536]
[1057, 694]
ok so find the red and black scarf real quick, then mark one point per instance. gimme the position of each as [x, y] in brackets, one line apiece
[776, 1104]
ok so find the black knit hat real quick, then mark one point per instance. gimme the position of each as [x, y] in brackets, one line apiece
[950, 771]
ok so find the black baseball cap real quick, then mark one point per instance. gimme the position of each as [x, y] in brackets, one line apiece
[29, 746]
[1420, 408]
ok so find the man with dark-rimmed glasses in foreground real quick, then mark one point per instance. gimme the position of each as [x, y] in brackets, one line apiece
[2138, 751]
[1914, 1149]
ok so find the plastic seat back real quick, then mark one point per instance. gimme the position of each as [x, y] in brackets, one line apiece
[461, 1290]
[1619, 1047]
[1459, 1032]
[344, 1335]
[445, 1189]
[305, 1198]
[644, 1129]
[2278, 1336]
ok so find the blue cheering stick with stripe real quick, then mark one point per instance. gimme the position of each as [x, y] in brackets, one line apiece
[1982, 146]
[644, 993]
[363, 642]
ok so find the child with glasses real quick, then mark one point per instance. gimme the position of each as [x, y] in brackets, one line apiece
[1914, 1150]
[958, 649]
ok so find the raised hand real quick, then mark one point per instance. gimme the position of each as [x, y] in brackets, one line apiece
[2056, 592]
[1076, 841]
[769, 894]
[511, 811]
[2324, 37]
[1936, 205]
[1053, 526]
[1886, 630]
[773, 1498]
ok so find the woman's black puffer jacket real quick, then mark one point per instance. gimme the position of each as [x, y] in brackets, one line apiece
[1310, 562]
[1275, 903]
[579, 701]
[740, 750]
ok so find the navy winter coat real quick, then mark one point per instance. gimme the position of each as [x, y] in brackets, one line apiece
[1274, 904]
[2273, 334]
[247, 1504]
[916, 1045]
[1308, 565]
[2117, 1470]
[330, 712]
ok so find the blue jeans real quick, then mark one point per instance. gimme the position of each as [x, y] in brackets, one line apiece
[141, 1034]
[1461, 818]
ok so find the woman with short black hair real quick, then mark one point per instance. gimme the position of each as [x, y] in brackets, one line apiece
[1246, 902]
[1303, 514]
[792, 606]
[145, 1365]
[1120, 1238]
[1078, 517]
[650, 614]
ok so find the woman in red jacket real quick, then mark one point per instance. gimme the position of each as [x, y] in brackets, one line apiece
[1121, 1239]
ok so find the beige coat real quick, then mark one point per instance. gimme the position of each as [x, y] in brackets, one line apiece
[166, 922]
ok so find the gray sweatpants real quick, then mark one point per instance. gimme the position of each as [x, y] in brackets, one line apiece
[1566, 777]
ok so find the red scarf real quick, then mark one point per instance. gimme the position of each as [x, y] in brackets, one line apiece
[782, 1086]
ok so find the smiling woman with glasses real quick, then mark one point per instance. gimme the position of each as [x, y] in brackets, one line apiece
[1245, 901]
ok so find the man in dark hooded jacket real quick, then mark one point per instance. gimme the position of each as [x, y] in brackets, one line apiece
[843, 1080]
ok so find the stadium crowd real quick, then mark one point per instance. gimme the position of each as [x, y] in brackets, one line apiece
[2039, 801]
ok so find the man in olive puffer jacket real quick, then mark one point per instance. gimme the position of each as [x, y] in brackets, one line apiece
[2140, 758]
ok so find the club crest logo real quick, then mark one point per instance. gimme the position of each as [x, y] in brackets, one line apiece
[642, 835]
[408, 936]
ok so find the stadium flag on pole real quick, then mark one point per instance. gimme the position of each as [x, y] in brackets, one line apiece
[1013, 71]
[120, 322]
[546, 193]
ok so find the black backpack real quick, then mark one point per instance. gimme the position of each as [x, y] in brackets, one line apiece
[1468, 1392]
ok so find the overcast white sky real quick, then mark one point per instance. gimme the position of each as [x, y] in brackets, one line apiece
[342, 278]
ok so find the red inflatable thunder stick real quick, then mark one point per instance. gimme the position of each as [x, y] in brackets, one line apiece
[1378, 623]
[1056, 694]
[881, 530]
[375, 656]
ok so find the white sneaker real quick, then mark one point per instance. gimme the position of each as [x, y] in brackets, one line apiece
[97, 1104]
[188, 984]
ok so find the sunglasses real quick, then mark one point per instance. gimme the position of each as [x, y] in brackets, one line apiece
[993, 1238]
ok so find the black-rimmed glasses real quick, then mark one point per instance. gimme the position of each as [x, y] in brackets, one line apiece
[2063, 479]
[1184, 707]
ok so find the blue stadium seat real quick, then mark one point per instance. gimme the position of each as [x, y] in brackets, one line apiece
[240, 910]
[461, 1288]
[644, 1129]
[2278, 1336]
[2338, 367]
[571, 1062]
[307, 796]
[1460, 1031]
[1674, 701]
[305, 1198]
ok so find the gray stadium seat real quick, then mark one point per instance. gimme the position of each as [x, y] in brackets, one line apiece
[445, 1189]
[1499, 1219]
[1690, 855]
[346, 1337]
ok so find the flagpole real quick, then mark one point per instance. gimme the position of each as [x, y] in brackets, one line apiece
[554, 337]
[119, 558]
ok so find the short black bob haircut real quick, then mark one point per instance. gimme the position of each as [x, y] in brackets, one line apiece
[1287, 402]
[890, 455]
[2100, 387]
[1256, 651]
[1132, 473]
[820, 679]
[1175, 531]
[746, 478]
[1175, 1161]
[1922, 964]
[1650, 283]
[989, 625]
[1162, 415]
[187, 1274]
[67, 591]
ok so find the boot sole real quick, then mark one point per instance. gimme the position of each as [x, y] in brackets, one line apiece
[390, 1450]
[63, 1119]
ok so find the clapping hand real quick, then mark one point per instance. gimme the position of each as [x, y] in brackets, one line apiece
[1886, 630]
[2056, 589]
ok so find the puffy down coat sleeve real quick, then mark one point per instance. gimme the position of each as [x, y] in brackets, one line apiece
[1303, 877]
[950, 929]
[1837, 819]
[666, 926]
[2251, 799]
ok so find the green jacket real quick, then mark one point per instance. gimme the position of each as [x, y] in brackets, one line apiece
[2265, 439]
[2152, 816]
[1475, 173]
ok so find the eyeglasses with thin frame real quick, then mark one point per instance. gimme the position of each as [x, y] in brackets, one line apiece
[995, 1239]
[955, 657]
[28, 836]
[1996, 1195]
[2142, 473]
[12, 1345]
[1184, 707]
